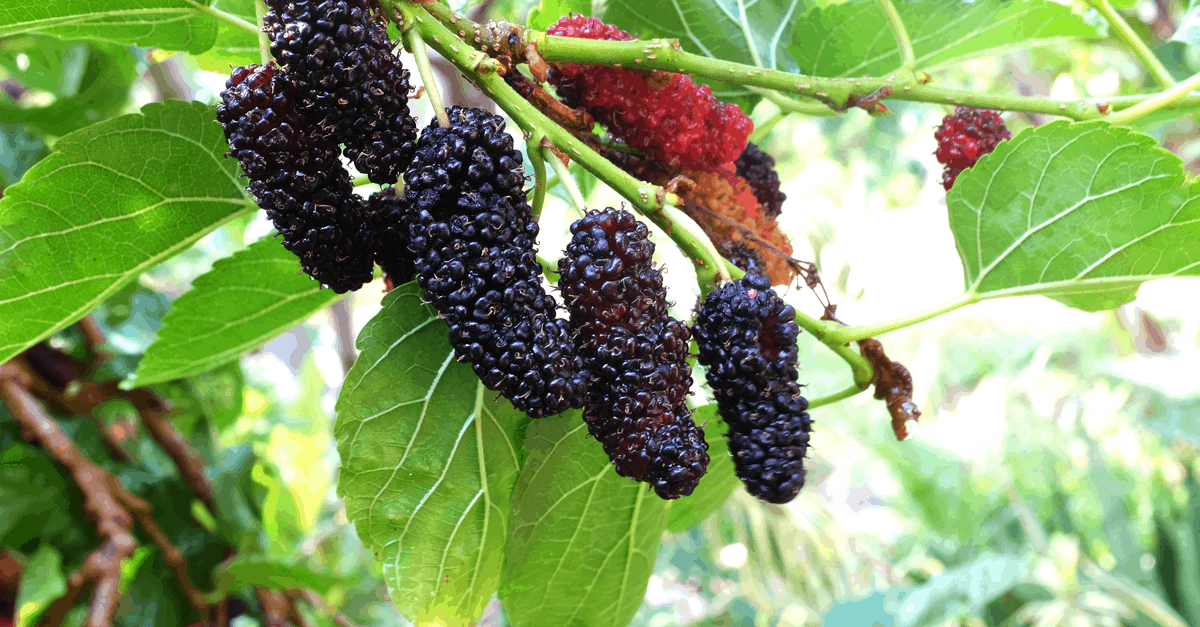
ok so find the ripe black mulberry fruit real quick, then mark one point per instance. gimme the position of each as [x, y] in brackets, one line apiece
[640, 376]
[350, 86]
[297, 177]
[473, 236]
[386, 213]
[965, 137]
[743, 256]
[673, 120]
[747, 338]
[758, 168]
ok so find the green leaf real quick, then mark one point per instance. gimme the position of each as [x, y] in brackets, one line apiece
[1189, 27]
[716, 485]
[244, 301]
[548, 11]
[962, 591]
[42, 583]
[720, 29]
[584, 539]
[429, 460]
[113, 199]
[166, 24]
[274, 573]
[1081, 212]
[233, 45]
[825, 44]
[1178, 556]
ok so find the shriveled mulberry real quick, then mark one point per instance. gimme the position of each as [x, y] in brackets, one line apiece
[386, 213]
[297, 177]
[668, 116]
[640, 376]
[965, 137]
[472, 234]
[758, 168]
[743, 256]
[747, 338]
[350, 85]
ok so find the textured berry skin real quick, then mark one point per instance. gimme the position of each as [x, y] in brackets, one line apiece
[296, 176]
[965, 137]
[350, 86]
[640, 376]
[747, 338]
[758, 168]
[472, 234]
[743, 256]
[680, 124]
[386, 214]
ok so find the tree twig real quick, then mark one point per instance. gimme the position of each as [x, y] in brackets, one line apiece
[153, 411]
[274, 607]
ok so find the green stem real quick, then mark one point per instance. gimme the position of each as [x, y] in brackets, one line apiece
[421, 56]
[908, 59]
[1159, 101]
[1139, 600]
[853, 390]
[791, 105]
[230, 18]
[1131, 39]
[568, 181]
[832, 333]
[534, 149]
[761, 131]
[647, 199]
[264, 44]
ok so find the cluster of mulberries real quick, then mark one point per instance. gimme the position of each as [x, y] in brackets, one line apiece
[758, 168]
[640, 376]
[385, 221]
[667, 115]
[747, 338]
[473, 234]
[297, 177]
[350, 86]
[743, 256]
[965, 137]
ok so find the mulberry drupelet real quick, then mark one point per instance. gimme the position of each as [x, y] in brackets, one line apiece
[350, 85]
[297, 177]
[472, 234]
[758, 168]
[386, 213]
[747, 338]
[965, 137]
[640, 376]
[743, 256]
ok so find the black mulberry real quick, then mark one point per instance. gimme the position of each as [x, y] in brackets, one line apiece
[640, 376]
[747, 338]
[386, 216]
[743, 256]
[472, 233]
[758, 168]
[297, 177]
[349, 84]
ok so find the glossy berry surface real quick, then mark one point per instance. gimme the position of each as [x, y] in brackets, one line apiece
[296, 176]
[386, 215]
[640, 376]
[351, 87]
[666, 115]
[965, 137]
[758, 168]
[473, 237]
[747, 338]
[743, 256]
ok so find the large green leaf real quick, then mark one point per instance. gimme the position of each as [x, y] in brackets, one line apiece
[830, 41]
[1081, 212]
[429, 461]
[275, 573]
[733, 30]
[547, 12]
[236, 307]
[716, 485]
[167, 24]
[113, 199]
[960, 592]
[584, 539]
[42, 583]
[233, 45]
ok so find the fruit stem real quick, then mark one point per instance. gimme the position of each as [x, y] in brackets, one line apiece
[1131, 39]
[421, 56]
[908, 59]
[532, 146]
[829, 332]
[568, 181]
[264, 44]
[1159, 101]
[761, 131]
[646, 198]
[231, 19]
[853, 390]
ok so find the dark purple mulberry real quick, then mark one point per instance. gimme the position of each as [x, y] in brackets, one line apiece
[965, 137]
[640, 376]
[350, 86]
[386, 216]
[747, 338]
[473, 236]
[743, 256]
[297, 177]
[758, 168]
